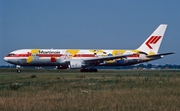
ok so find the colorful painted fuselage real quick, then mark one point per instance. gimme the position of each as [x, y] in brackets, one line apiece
[49, 57]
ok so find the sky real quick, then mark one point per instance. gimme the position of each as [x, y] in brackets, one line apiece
[88, 24]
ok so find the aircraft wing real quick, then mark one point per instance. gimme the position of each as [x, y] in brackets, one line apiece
[161, 55]
[99, 59]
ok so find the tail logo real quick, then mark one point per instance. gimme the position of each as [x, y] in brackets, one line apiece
[152, 40]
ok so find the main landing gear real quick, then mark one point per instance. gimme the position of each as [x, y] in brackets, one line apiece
[89, 70]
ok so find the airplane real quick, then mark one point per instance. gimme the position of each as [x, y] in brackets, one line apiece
[87, 59]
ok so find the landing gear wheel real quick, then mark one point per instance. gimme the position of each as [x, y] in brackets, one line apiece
[95, 70]
[82, 70]
[18, 70]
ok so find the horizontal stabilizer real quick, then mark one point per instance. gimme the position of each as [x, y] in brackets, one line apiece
[162, 54]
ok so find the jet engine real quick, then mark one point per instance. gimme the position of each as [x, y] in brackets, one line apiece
[73, 64]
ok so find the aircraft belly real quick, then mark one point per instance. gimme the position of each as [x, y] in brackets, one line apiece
[37, 62]
[44, 62]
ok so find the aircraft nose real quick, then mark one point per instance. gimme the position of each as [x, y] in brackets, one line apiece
[6, 59]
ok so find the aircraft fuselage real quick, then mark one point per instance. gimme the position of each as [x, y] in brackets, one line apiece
[56, 57]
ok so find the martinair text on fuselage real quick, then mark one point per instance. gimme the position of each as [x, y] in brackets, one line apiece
[49, 52]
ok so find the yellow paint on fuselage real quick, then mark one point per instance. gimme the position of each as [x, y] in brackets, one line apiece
[30, 58]
[151, 53]
[136, 51]
[118, 52]
[72, 52]
[35, 51]
[96, 51]
[99, 52]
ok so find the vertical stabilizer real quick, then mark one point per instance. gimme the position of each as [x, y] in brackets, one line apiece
[152, 44]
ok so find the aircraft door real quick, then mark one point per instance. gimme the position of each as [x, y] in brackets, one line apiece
[21, 59]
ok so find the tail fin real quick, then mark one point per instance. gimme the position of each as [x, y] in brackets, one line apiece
[152, 44]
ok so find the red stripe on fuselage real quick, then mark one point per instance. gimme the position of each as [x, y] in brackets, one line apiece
[50, 55]
[59, 55]
[53, 59]
[84, 55]
[134, 55]
[19, 55]
[40, 55]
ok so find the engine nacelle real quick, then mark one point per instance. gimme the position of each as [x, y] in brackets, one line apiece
[75, 64]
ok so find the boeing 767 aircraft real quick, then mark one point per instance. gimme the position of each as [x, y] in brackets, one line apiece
[87, 59]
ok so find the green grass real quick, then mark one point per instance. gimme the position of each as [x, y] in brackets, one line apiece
[114, 90]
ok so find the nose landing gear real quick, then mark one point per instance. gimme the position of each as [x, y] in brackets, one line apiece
[18, 68]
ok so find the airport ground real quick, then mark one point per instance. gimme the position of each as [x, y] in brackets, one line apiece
[107, 90]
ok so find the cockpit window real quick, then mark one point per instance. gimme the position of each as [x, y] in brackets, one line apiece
[11, 54]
